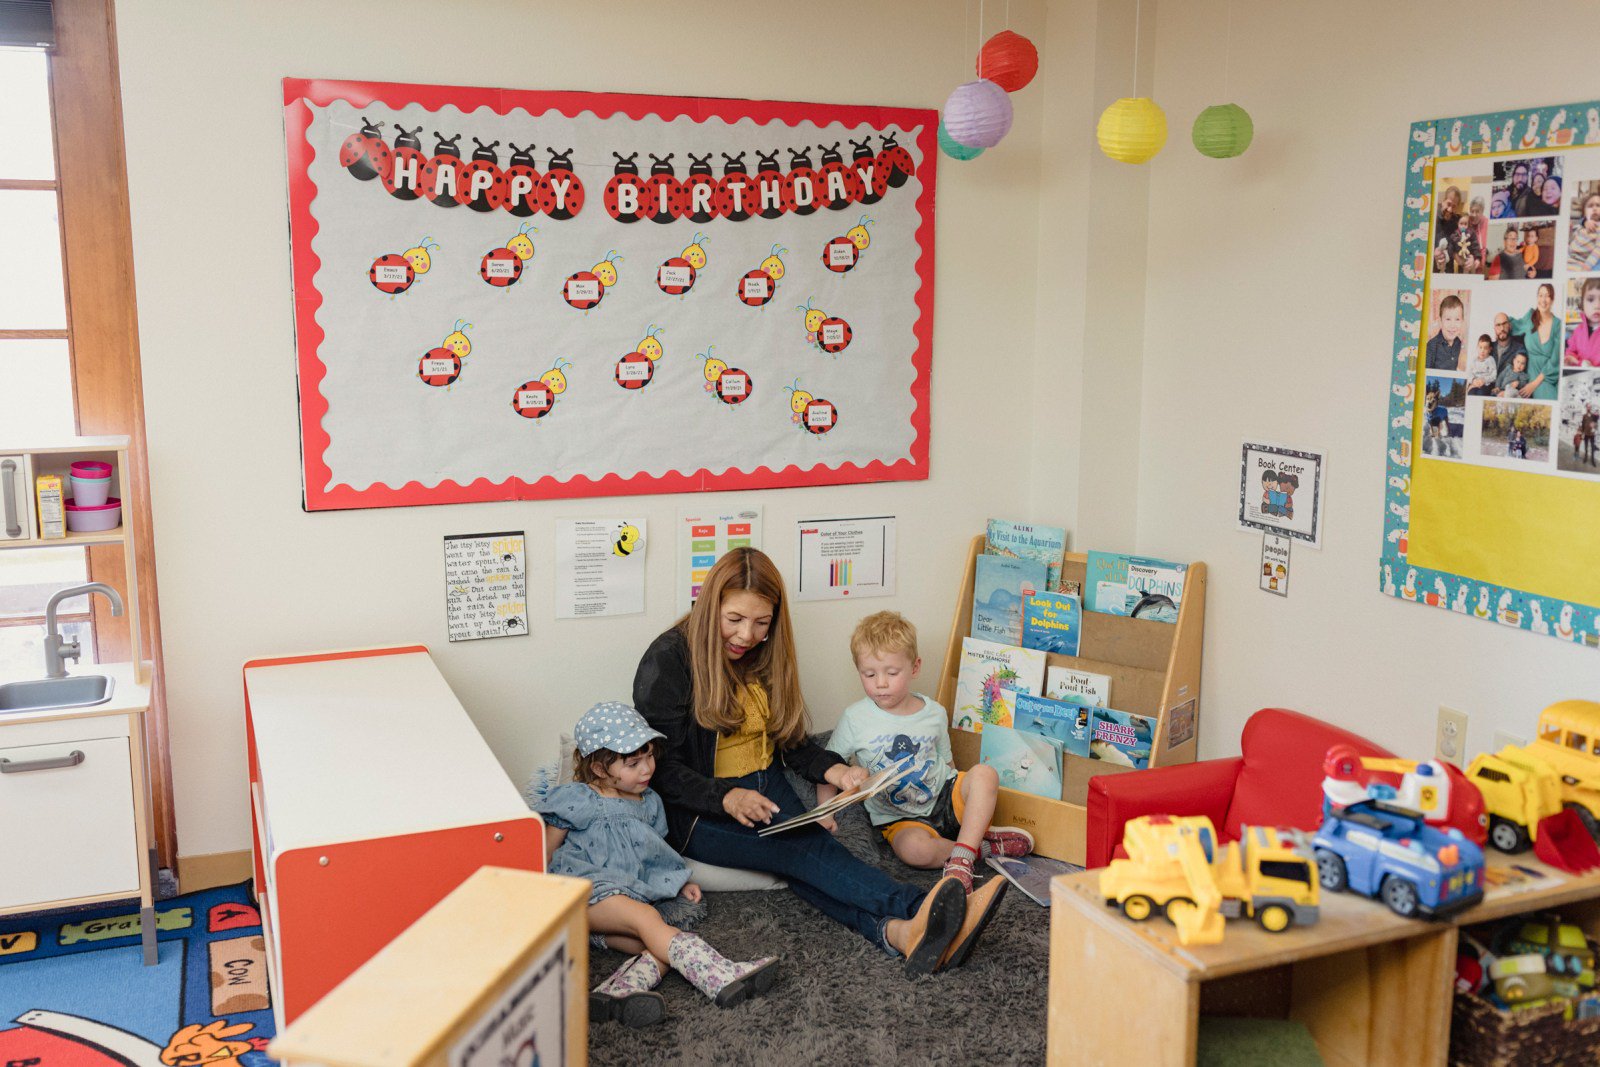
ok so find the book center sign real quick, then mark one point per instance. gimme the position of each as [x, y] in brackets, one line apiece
[512, 294]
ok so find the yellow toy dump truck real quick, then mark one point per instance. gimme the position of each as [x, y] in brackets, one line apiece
[1524, 786]
[1176, 866]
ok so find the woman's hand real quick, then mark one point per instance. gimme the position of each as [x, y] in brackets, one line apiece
[1526, 390]
[748, 807]
[845, 777]
[829, 824]
[690, 892]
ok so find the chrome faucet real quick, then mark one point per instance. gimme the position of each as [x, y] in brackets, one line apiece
[57, 649]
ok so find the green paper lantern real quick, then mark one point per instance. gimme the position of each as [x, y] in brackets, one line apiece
[954, 148]
[1223, 131]
[1132, 130]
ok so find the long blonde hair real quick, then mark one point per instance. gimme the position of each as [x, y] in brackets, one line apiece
[718, 679]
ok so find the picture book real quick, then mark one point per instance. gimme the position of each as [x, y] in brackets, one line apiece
[989, 679]
[997, 591]
[1024, 540]
[1082, 687]
[1146, 588]
[868, 789]
[1060, 720]
[1121, 737]
[1032, 874]
[1025, 762]
[1052, 622]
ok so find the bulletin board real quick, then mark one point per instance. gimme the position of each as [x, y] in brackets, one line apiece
[505, 294]
[1493, 497]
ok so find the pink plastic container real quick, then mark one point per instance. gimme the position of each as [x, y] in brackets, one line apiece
[94, 518]
[91, 482]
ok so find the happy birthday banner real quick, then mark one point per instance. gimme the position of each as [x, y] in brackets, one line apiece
[490, 324]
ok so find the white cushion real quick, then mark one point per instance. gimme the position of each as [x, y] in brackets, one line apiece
[714, 879]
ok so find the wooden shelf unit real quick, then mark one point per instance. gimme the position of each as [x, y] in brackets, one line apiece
[57, 457]
[1373, 988]
[1154, 669]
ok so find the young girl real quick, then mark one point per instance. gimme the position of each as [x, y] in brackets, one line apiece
[1583, 344]
[724, 688]
[609, 827]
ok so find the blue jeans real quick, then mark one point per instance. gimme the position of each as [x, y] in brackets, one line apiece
[822, 872]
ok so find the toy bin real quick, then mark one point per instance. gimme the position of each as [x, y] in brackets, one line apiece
[98, 518]
[1482, 1035]
[91, 482]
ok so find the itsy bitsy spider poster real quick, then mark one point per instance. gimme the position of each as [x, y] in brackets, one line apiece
[505, 294]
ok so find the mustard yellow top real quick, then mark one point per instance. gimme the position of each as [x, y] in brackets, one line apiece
[748, 749]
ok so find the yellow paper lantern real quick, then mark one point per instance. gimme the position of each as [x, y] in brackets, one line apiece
[1132, 130]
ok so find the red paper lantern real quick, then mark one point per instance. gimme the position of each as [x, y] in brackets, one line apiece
[1009, 60]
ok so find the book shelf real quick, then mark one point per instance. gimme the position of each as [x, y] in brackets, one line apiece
[1155, 671]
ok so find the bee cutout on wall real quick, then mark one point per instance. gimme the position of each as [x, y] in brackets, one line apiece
[442, 365]
[628, 540]
[587, 288]
[502, 267]
[677, 275]
[841, 254]
[637, 368]
[394, 273]
[729, 384]
[536, 399]
[758, 287]
[812, 414]
[827, 332]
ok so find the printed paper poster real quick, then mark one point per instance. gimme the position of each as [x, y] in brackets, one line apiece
[845, 558]
[599, 567]
[526, 1025]
[703, 537]
[1280, 491]
[486, 586]
[1275, 563]
[504, 294]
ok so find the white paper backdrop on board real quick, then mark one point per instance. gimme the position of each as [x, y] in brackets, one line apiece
[455, 386]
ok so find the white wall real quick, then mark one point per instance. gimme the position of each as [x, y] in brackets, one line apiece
[244, 573]
[1270, 315]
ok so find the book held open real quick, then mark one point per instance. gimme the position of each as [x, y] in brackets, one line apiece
[870, 788]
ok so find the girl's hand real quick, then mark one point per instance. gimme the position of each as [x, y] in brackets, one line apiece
[845, 777]
[748, 807]
[690, 892]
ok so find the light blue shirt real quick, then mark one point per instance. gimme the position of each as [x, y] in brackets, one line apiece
[873, 738]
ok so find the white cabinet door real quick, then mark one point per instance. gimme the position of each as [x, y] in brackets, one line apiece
[66, 822]
[16, 499]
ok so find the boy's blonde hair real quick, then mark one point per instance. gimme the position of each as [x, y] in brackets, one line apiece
[884, 632]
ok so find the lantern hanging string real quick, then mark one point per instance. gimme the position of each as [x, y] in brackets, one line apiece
[980, 38]
[1136, 9]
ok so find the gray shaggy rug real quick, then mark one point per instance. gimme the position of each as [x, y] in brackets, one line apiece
[837, 998]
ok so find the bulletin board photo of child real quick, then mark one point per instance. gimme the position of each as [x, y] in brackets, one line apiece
[1580, 421]
[1448, 313]
[1517, 430]
[1519, 251]
[1444, 416]
[1583, 236]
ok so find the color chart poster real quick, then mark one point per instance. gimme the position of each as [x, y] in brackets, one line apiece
[509, 294]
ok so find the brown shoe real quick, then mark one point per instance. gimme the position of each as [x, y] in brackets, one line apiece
[934, 926]
[981, 906]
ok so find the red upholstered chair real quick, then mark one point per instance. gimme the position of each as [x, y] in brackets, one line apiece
[1276, 782]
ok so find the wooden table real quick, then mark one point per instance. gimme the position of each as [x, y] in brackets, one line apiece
[1372, 988]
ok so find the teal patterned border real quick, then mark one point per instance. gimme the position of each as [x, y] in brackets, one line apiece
[1530, 129]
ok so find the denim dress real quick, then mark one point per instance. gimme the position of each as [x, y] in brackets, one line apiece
[619, 845]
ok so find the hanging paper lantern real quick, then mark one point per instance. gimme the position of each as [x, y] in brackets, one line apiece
[977, 114]
[953, 148]
[1132, 130]
[1223, 131]
[1009, 60]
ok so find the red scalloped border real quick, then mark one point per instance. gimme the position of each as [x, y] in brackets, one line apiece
[314, 439]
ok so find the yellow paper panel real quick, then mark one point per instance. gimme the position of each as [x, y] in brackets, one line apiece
[1532, 532]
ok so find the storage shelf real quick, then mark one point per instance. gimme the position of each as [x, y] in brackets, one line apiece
[73, 540]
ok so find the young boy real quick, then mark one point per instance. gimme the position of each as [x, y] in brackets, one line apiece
[934, 816]
[1444, 347]
[1482, 369]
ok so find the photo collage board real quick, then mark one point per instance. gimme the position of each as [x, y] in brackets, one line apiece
[1495, 398]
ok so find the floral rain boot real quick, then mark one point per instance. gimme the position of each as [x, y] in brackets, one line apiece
[627, 995]
[725, 982]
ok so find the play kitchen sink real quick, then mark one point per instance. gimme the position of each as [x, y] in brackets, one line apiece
[42, 694]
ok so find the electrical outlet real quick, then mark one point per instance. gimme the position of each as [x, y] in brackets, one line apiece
[1450, 738]
[1502, 739]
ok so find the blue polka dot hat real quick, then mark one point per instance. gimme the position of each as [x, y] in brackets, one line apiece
[615, 726]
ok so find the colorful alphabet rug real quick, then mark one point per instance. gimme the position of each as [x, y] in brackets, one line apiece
[74, 990]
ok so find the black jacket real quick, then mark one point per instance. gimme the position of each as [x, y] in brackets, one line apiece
[663, 691]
